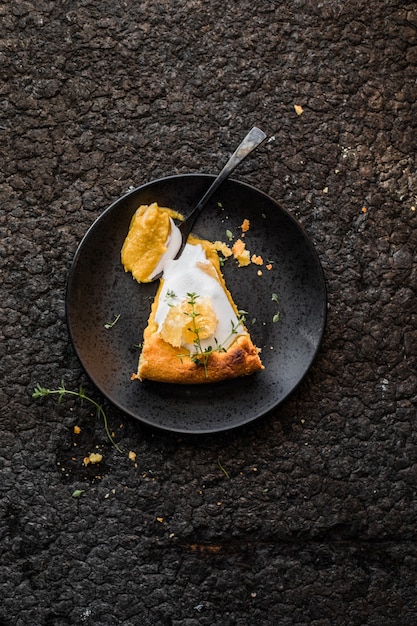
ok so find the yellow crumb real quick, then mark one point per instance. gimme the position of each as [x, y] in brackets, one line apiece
[298, 109]
[269, 266]
[257, 260]
[245, 225]
[132, 456]
[77, 430]
[94, 457]
[238, 248]
[259, 272]
[364, 209]
[244, 258]
[223, 248]
[240, 253]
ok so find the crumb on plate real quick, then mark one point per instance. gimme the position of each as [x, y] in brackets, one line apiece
[240, 253]
[223, 248]
[257, 260]
[245, 225]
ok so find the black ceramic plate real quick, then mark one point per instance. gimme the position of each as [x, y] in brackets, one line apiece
[99, 290]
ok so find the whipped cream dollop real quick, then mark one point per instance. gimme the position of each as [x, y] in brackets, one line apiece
[187, 275]
[173, 244]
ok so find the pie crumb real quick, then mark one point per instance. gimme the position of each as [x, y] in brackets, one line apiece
[245, 225]
[240, 253]
[257, 260]
[94, 457]
[223, 248]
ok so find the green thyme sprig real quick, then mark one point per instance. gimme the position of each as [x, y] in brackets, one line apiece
[277, 315]
[201, 355]
[169, 296]
[42, 392]
[109, 325]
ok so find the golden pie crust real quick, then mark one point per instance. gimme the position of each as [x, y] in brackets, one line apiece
[162, 362]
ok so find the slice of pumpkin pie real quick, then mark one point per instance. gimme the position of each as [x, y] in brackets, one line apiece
[195, 333]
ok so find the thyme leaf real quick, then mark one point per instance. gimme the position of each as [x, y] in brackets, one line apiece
[111, 324]
[170, 295]
[277, 315]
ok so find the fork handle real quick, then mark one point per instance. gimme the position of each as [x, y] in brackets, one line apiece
[252, 140]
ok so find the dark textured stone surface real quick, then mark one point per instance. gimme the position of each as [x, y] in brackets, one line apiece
[314, 519]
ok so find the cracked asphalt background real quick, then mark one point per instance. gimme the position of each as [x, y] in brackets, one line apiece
[308, 516]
